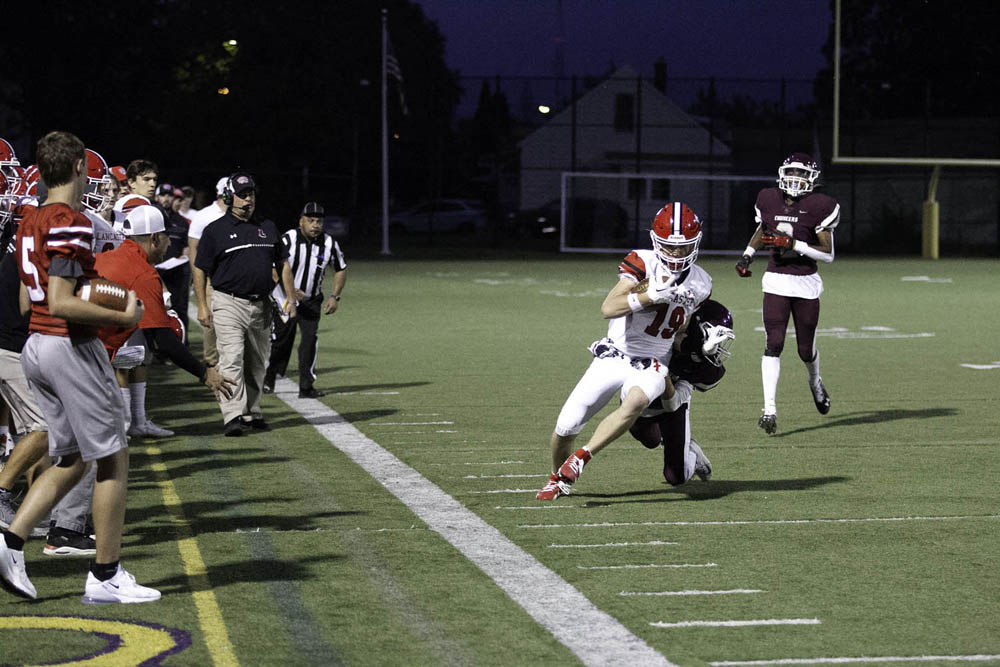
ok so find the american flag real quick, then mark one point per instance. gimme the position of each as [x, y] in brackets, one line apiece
[393, 69]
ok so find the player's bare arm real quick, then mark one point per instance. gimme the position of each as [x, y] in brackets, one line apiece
[63, 303]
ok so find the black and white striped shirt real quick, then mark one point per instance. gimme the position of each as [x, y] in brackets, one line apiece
[309, 260]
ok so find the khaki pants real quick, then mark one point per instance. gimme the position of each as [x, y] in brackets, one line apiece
[243, 338]
[208, 344]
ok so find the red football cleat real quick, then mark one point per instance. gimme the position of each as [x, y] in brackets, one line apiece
[570, 470]
[554, 488]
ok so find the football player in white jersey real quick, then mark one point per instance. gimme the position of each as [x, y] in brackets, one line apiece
[96, 200]
[656, 294]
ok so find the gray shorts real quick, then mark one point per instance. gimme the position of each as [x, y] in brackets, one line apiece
[77, 392]
[18, 395]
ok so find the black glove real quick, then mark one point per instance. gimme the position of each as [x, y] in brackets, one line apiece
[743, 266]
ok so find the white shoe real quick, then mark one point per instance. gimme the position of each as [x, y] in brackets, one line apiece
[119, 588]
[12, 571]
[150, 430]
[702, 466]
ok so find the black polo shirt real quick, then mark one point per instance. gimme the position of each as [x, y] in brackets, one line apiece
[238, 256]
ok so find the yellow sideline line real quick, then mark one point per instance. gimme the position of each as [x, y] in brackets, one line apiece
[209, 614]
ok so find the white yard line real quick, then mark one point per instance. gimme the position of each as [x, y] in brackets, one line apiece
[860, 659]
[736, 624]
[540, 591]
[641, 567]
[474, 493]
[733, 591]
[499, 476]
[654, 543]
[546, 506]
[760, 522]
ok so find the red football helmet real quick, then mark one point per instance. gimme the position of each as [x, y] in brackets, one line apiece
[29, 181]
[676, 234]
[797, 175]
[6, 203]
[95, 198]
[9, 167]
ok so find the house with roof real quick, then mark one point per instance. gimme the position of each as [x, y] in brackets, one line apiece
[624, 124]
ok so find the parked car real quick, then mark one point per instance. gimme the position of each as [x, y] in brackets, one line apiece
[589, 222]
[464, 216]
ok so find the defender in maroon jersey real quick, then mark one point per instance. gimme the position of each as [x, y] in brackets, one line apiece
[796, 224]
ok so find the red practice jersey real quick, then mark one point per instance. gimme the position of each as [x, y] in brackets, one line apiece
[128, 266]
[46, 233]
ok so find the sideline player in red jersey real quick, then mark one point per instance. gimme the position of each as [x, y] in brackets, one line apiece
[70, 375]
[633, 360]
[797, 225]
[132, 266]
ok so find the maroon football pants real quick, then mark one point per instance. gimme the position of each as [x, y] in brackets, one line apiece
[670, 428]
[805, 314]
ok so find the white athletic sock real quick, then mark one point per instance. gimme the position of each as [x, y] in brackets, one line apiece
[813, 368]
[770, 369]
[127, 399]
[138, 391]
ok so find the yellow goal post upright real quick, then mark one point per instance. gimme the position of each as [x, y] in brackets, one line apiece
[931, 208]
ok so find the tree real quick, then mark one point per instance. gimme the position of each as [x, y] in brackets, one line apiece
[910, 59]
[204, 87]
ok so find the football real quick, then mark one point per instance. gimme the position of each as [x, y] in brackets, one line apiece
[104, 293]
[640, 287]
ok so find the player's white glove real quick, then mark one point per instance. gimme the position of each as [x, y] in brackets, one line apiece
[716, 337]
[661, 285]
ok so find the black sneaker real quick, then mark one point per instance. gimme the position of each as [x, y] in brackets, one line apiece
[234, 428]
[268, 387]
[258, 424]
[769, 423]
[311, 392]
[65, 542]
[820, 396]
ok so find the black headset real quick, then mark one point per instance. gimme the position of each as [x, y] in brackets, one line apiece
[227, 190]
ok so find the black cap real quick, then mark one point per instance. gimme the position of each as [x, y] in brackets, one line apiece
[312, 210]
[164, 189]
[240, 182]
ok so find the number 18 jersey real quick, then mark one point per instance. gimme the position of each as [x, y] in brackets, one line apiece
[650, 332]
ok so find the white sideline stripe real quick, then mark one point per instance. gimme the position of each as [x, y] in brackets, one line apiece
[734, 591]
[640, 567]
[761, 522]
[736, 624]
[866, 658]
[654, 543]
[537, 589]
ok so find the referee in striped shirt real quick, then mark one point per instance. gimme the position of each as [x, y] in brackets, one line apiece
[310, 252]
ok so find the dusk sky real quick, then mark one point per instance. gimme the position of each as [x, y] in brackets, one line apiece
[722, 38]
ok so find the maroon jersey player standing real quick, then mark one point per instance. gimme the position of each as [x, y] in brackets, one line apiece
[797, 225]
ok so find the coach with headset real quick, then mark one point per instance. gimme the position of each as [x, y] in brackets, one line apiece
[240, 253]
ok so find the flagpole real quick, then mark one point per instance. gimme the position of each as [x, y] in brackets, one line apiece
[385, 137]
